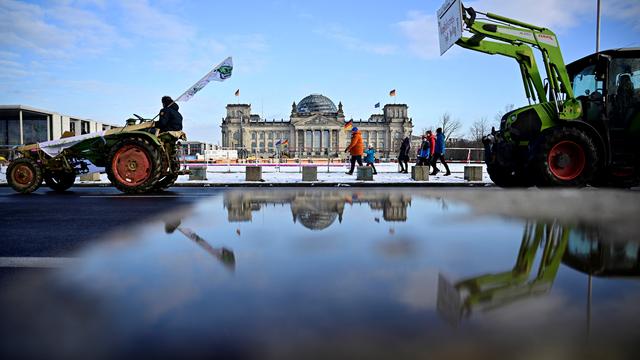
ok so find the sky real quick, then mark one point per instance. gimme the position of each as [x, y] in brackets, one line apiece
[108, 59]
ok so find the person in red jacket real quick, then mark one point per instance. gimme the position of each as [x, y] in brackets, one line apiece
[356, 148]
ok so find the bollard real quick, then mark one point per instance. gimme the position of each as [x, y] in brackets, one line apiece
[365, 173]
[197, 173]
[310, 173]
[420, 173]
[473, 173]
[253, 173]
[90, 177]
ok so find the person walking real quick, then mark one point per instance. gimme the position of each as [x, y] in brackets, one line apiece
[403, 155]
[355, 148]
[370, 158]
[439, 154]
[424, 152]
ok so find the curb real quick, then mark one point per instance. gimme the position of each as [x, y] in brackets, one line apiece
[309, 184]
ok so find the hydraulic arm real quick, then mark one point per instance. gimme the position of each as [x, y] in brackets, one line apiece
[516, 39]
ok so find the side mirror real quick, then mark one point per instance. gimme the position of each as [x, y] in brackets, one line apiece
[587, 92]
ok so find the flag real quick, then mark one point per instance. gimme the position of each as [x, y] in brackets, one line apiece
[237, 92]
[278, 142]
[348, 125]
[220, 73]
[285, 142]
[392, 92]
[377, 106]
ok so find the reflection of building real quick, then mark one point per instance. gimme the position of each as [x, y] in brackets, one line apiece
[21, 125]
[315, 128]
[315, 210]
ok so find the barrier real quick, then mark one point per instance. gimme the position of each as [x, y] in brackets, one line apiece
[420, 173]
[253, 173]
[310, 173]
[197, 173]
[473, 173]
[365, 173]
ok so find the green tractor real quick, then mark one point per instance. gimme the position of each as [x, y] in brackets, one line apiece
[582, 125]
[137, 159]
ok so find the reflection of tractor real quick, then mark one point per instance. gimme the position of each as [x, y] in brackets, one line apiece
[137, 159]
[583, 122]
[582, 249]
[494, 290]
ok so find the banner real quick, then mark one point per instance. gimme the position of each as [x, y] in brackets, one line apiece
[220, 73]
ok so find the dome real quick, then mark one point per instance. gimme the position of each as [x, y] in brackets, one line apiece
[316, 220]
[316, 103]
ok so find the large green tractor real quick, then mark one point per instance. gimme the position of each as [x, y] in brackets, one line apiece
[136, 158]
[582, 125]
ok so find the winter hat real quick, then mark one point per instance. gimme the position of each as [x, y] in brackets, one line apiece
[370, 146]
[354, 129]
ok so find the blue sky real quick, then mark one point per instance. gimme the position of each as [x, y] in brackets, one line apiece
[108, 59]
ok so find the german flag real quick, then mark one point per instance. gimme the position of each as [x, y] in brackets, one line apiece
[285, 142]
[392, 93]
[348, 125]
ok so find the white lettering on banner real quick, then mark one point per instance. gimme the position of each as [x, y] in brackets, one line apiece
[449, 24]
[547, 39]
[517, 33]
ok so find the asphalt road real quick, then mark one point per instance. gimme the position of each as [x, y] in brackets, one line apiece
[47, 224]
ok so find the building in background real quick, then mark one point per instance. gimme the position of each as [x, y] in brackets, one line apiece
[315, 128]
[20, 125]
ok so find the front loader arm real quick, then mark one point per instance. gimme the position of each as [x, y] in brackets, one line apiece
[521, 53]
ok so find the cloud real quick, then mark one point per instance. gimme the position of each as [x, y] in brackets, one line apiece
[421, 31]
[353, 43]
[57, 31]
[625, 10]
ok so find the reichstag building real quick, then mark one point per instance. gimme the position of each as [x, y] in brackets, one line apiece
[314, 129]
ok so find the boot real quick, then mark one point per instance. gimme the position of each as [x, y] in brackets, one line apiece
[448, 173]
[435, 171]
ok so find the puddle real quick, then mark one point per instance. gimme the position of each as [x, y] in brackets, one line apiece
[368, 274]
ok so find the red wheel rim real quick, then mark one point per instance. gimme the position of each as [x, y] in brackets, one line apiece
[23, 175]
[567, 160]
[131, 165]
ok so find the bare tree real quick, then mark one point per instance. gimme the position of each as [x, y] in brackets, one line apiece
[500, 114]
[479, 129]
[450, 127]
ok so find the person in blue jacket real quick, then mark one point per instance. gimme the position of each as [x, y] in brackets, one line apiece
[438, 154]
[424, 152]
[370, 158]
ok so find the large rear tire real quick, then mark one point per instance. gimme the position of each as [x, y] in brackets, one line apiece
[24, 175]
[565, 157]
[134, 166]
[59, 181]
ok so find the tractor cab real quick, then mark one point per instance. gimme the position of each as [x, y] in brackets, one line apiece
[608, 87]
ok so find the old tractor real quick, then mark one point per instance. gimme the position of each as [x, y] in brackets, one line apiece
[136, 157]
[582, 124]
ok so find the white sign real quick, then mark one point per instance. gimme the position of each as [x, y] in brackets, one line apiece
[547, 39]
[449, 24]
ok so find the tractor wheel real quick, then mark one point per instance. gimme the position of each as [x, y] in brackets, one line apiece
[171, 177]
[24, 175]
[565, 157]
[507, 178]
[59, 181]
[166, 182]
[134, 166]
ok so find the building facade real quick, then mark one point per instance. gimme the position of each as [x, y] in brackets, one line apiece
[315, 128]
[20, 125]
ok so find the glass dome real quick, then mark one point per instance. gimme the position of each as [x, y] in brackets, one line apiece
[316, 103]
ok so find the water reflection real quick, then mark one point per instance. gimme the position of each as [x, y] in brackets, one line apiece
[316, 210]
[582, 249]
[222, 254]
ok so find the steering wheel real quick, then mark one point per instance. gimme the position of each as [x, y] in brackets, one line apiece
[139, 118]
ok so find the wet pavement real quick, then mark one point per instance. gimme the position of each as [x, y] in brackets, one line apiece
[366, 273]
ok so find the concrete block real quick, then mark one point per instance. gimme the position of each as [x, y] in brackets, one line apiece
[197, 173]
[420, 173]
[365, 173]
[310, 173]
[473, 173]
[90, 177]
[253, 173]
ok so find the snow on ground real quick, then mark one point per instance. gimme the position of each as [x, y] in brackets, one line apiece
[233, 174]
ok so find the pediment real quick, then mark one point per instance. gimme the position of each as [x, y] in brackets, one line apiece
[317, 120]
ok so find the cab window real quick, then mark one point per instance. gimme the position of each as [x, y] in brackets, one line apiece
[585, 82]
